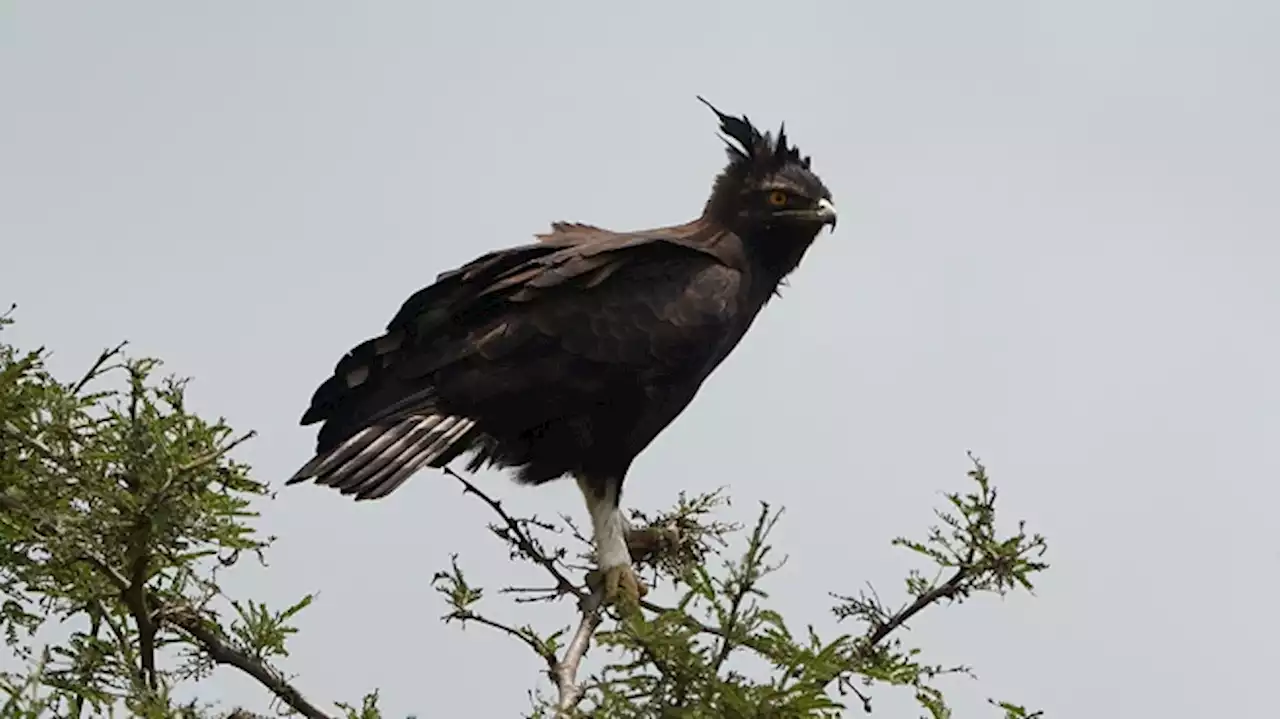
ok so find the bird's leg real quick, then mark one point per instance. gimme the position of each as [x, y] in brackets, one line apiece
[609, 526]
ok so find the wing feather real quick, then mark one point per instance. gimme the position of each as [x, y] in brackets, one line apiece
[507, 321]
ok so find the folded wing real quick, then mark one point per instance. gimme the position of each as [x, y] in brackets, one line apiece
[503, 356]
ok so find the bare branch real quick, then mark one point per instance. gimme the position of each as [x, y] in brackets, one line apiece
[522, 539]
[466, 615]
[96, 368]
[566, 670]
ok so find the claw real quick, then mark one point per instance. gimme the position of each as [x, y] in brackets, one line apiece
[622, 588]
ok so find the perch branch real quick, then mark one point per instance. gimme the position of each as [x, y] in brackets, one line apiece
[563, 670]
[521, 538]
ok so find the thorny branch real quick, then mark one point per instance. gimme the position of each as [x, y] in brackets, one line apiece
[563, 670]
[522, 539]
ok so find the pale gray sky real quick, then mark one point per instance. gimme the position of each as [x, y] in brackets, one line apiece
[1057, 248]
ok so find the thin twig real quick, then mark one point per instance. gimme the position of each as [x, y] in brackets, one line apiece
[122, 643]
[18, 435]
[697, 626]
[216, 454]
[96, 618]
[96, 368]
[944, 591]
[845, 684]
[522, 538]
[745, 582]
[465, 615]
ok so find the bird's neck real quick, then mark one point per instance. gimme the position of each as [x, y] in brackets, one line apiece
[776, 253]
[769, 254]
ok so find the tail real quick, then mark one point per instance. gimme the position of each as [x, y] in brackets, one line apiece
[376, 460]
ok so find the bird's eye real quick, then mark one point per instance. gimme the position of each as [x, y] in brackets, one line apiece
[778, 198]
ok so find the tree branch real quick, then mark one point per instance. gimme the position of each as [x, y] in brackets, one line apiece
[222, 652]
[122, 643]
[466, 615]
[185, 619]
[947, 590]
[138, 548]
[563, 671]
[697, 626]
[215, 455]
[522, 539]
[96, 368]
[744, 583]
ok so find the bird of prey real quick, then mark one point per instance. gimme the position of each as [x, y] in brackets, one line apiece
[570, 354]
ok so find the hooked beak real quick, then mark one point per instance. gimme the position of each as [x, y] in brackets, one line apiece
[825, 213]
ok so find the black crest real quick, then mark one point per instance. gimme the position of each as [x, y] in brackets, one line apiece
[755, 152]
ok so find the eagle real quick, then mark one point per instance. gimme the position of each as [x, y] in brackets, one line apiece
[570, 354]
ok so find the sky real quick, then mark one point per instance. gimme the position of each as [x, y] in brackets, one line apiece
[1057, 249]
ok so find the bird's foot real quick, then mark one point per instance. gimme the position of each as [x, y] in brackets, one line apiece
[621, 587]
[644, 543]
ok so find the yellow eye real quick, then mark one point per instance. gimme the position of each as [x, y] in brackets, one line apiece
[777, 198]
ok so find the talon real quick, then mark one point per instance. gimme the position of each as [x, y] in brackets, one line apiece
[621, 586]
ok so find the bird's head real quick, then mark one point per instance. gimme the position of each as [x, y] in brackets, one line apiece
[767, 188]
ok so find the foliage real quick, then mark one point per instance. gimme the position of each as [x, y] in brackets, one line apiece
[120, 510]
[673, 661]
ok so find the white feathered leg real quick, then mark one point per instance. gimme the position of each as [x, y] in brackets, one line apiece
[609, 534]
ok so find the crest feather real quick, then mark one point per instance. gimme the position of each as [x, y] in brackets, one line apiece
[755, 151]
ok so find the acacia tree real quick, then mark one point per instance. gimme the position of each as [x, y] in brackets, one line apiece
[120, 511]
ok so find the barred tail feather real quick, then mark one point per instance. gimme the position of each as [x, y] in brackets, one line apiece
[375, 461]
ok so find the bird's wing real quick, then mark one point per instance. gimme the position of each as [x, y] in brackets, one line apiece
[524, 328]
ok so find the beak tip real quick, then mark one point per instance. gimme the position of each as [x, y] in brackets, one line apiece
[829, 213]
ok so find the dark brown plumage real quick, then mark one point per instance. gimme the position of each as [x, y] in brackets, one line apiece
[569, 355]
